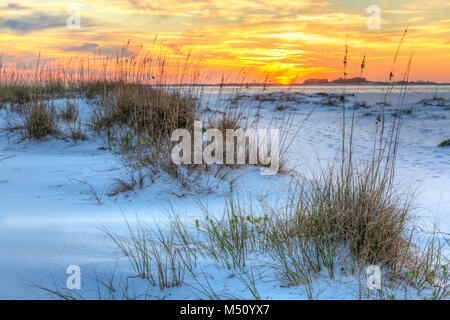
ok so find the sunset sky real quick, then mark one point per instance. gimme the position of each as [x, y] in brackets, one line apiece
[292, 40]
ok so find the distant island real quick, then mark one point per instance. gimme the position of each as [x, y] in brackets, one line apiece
[364, 81]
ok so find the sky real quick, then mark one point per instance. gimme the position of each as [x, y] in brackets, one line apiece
[287, 40]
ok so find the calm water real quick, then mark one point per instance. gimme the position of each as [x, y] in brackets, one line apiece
[369, 93]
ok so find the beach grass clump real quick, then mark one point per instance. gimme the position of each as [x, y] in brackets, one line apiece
[22, 92]
[138, 121]
[16, 94]
[69, 113]
[358, 209]
[40, 120]
[144, 109]
[77, 132]
[332, 223]
[444, 143]
[155, 111]
[154, 255]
